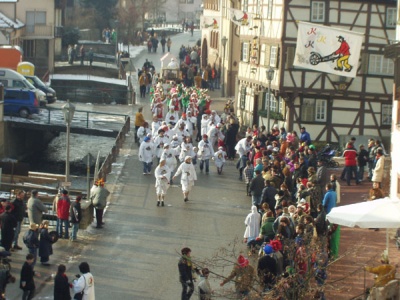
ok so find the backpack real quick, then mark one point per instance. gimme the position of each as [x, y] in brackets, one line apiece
[28, 239]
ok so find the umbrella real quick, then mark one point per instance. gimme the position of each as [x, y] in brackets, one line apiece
[380, 213]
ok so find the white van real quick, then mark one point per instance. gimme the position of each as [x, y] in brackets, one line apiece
[12, 79]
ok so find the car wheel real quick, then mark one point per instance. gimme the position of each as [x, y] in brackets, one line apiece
[23, 113]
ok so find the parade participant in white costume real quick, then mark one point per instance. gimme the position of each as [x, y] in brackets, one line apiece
[155, 126]
[187, 178]
[187, 149]
[204, 153]
[159, 142]
[172, 116]
[146, 154]
[169, 154]
[214, 134]
[143, 131]
[162, 175]
[219, 159]
[215, 118]
[205, 123]
[180, 131]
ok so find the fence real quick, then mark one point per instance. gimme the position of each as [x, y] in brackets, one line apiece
[106, 167]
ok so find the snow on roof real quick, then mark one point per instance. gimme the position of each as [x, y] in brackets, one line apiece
[6, 22]
[88, 78]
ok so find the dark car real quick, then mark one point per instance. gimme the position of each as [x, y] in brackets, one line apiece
[37, 83]
[20, 102]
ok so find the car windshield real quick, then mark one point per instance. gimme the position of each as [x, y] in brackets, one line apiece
[29, 85]
[38, 81]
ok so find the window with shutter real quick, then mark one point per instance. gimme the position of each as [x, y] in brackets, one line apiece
[290, 57]
[245, 52]
[308, 110]
[243, 98]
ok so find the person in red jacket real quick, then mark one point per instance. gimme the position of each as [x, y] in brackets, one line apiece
[63, 204]
[350, 163]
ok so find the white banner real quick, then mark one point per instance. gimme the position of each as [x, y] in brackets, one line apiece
[328, 49]
[210, 23]
[239, 17]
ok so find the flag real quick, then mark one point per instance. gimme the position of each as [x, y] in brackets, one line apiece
[327, 49]
[239, 17]
[210, 23]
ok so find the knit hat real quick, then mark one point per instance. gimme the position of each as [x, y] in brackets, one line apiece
[268, 249]
[242, 261]
[276, 245]
[146, 139]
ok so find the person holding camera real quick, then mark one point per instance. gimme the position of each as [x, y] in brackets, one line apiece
[83, 286]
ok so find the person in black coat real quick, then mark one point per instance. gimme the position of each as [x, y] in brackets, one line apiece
[8, 225]
[321, 225]
[61, 285]
[18, 211]
[230, 140]
[185, 274]
[27, 283]
[75, 214]
[45, 243]
[267, 269]
[268, 195]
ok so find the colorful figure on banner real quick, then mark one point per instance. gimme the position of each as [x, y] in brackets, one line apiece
[214, 24]
[344, 54]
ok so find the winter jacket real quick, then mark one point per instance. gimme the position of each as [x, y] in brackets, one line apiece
[75, 212]
[185, 270]
[267, 229]
[63, 204]
[35, 210]
[377, 175]
[19, 209]
[99, 196]
[362, 158]
[257, 185]
[61, 287]
[27, 274]
[329, 201]
[45, 243]
[350, 157]
[244, 278]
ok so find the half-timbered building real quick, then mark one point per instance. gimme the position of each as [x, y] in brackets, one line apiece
[329, 106]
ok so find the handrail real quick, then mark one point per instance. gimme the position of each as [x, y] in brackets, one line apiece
[49, 109]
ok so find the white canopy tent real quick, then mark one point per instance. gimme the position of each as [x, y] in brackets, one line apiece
[380, 213]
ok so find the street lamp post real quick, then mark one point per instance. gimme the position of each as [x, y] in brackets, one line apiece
[270, 75]
[68, 110]
[224, 40]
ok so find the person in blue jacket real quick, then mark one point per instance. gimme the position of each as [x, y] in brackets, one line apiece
[330, 198]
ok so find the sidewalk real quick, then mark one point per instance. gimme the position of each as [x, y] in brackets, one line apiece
[358, 248]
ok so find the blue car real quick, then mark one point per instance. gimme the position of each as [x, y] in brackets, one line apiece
[20, 102]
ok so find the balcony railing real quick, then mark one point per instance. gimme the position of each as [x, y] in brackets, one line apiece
[38, 31]
[58, 31]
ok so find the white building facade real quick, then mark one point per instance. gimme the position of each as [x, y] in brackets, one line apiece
[331, 107]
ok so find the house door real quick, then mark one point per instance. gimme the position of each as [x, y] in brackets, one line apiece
[255, 109]
[204, 53]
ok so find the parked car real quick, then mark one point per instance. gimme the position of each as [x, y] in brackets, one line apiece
[37, 83]
[20, 102]
[11, 79]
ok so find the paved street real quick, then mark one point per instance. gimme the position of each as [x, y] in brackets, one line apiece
[135, 256]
